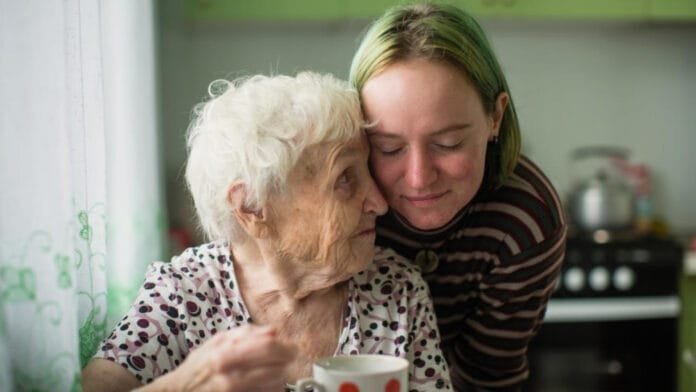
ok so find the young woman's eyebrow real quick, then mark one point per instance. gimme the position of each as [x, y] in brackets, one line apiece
[447, 129]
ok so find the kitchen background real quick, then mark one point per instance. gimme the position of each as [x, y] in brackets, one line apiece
[96, 98]
[579, 78]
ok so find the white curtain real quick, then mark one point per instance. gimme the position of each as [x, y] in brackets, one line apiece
[80, 203]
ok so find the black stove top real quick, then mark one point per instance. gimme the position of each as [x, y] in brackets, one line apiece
[620, 268]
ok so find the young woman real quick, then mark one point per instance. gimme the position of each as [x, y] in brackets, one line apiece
[483, 222]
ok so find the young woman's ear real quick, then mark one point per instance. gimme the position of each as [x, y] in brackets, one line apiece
[497, 116]
[253, 221]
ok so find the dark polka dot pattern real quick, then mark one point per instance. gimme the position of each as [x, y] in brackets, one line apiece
[183, 303]
[390, 312]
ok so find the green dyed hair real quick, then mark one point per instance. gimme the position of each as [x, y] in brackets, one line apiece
[442, 32]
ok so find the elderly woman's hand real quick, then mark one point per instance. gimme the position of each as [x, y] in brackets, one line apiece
[248, 358]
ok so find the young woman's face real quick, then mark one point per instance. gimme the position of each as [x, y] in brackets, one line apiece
[429, 139]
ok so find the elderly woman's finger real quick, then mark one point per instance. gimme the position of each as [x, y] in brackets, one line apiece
[255, 350]
[244, 348]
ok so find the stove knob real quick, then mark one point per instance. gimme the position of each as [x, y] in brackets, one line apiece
[624, 278]
[641, 255]
[599, 278]
[574, 279]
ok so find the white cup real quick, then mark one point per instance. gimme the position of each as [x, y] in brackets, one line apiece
[357, 373]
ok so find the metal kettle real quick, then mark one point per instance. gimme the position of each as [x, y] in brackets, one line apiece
[604, 200]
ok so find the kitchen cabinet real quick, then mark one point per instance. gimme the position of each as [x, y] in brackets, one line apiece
[553, 9]
[336, 10]
[270, 11]
[672, 9]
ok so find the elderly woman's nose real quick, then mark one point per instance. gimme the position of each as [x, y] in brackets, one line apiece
[374, 201]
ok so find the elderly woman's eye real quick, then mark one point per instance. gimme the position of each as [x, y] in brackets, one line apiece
[345, 179]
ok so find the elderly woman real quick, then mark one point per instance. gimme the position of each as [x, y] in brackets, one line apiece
[278, 172]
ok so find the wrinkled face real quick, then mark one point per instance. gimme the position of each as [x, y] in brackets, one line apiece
[326, 222]
[429, 139]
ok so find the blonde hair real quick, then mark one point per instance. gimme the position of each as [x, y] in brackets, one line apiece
[446, 33]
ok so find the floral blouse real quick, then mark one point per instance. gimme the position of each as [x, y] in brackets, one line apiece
[183, 303]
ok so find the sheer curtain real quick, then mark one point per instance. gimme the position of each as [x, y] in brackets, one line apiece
[80, 203]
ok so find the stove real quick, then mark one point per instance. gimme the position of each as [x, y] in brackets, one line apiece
[617, 280]
[638, 268]
[612, 315]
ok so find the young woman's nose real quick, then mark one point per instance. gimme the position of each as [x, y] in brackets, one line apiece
[420, 172]
[374, 201]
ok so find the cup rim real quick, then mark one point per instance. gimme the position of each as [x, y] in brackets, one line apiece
[395, 364]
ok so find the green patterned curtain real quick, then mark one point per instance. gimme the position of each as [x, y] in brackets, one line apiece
[80, 209]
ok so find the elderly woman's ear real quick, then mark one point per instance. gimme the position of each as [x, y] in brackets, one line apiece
[253, 221]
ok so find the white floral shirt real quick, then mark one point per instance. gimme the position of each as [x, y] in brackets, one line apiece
[183, 303]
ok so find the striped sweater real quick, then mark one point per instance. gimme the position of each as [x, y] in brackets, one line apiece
[491, 271]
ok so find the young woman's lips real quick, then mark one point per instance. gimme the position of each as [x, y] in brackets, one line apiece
[425, 200]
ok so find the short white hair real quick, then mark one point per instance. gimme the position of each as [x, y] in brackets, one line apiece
[254, 130]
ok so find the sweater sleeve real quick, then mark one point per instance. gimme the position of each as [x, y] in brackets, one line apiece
[490, 351]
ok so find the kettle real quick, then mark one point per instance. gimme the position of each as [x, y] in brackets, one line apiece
[604, 200]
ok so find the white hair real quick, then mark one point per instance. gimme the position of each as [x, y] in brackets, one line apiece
[254, 130]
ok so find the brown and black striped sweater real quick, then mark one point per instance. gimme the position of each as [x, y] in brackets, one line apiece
[491, 272]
